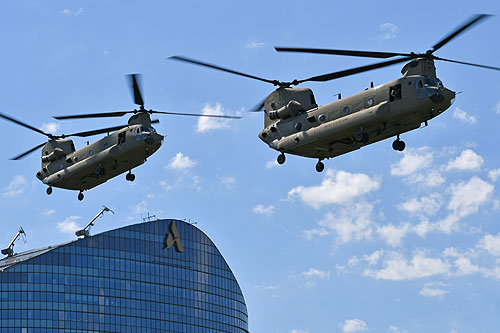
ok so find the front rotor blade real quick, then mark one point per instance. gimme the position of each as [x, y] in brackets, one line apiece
[352, 71]
[368, 54]
[196, 62]
[195, 114]
[136, 90]
[94, 132]
[468, 63]
[4, 116]
[18, 157]
[473, 20]
[95, 115]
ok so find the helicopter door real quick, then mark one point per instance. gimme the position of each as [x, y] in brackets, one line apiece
[121, 137]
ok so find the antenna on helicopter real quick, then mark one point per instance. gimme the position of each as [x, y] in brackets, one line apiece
[84, 232]
[9, 251]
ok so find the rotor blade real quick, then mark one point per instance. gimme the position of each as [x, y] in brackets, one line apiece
[4, 116]
[94, 132]
[196, 62]
[468, 63]
[28, 152]
[368, 54]
[195, 114]
[259, 107]
[473, 20]
[155, 121]
[136, 90]
[336, 75]
[95, 115]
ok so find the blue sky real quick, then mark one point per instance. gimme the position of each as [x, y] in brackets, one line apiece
[381, 241]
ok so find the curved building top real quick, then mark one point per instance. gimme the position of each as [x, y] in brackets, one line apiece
[164, 275]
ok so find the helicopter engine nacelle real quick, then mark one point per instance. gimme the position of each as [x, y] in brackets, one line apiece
[56, 154]
[292, 109]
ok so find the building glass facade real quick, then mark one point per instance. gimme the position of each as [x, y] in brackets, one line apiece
[161, 276]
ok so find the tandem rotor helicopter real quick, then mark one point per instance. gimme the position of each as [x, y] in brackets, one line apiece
[128, 147]
[295, 124]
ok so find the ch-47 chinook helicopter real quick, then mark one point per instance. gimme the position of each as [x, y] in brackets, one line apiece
[295, 124]
[128, 147]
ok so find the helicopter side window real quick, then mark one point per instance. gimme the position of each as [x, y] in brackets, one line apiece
[395, 93]
[121, 137]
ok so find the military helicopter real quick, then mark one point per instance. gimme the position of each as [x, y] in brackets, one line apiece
[295, 124]
[126, 148]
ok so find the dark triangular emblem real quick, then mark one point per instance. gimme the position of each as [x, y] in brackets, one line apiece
[172, 237]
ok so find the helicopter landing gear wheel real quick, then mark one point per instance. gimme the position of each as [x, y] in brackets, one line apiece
[130, 177]
[320, 166]
[49, 190]
[398, 144]
[80, 196]
[281, 158]
[362, 137]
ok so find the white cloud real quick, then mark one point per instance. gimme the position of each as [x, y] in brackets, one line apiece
[433, 289]
[316, 273]
[266, 287]
[255, 45]
[395, 329]
[354, 326]
[207, 124]
[494, 174]
[70, 12]
[423, 206]
[140, 208]
[166, 186]
[467, 197]
[431, 178]
[51, 128]
[468, 160]
[16, 187]
[228, 182]
[412, 161]
[350, 222]
[389, 30]
[336, 188]
[69, 226]
[392, 234]
[263, 210]
[397, 267]
[497, 107]
[463, 116]
[271, 164]
[298, 331]
[48, 212]
[180, 162]
[372, 259]
[465, 267]
[491, 244]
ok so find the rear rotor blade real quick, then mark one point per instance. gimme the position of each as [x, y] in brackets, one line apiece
[352, 71]
[368, 54]
[196, 62]
[468, 63]
[18, 157]
[136, 90]
[95, 115]
[259, 107]
[473, 20]
[4, 116]
[195, 114]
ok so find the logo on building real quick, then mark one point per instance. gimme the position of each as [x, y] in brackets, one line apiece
[173, 238]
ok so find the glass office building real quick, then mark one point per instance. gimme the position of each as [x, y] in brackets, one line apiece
[160, 276]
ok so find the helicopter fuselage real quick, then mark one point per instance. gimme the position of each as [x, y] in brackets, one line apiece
[100, 161]
[372, 115]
